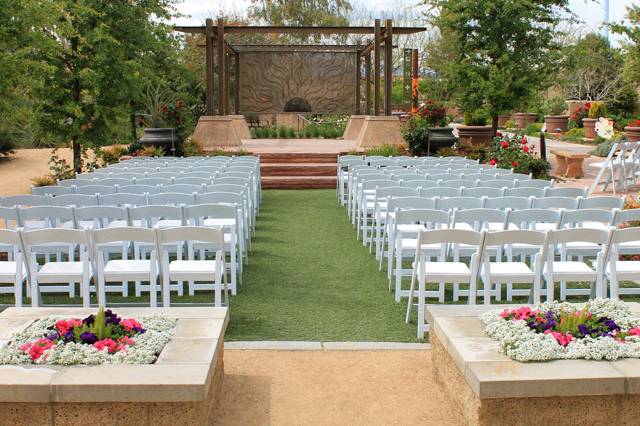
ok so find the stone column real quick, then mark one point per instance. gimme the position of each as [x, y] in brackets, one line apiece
[215, 131]
[380, 130]
[354, 125]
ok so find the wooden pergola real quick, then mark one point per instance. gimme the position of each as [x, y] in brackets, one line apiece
[220, 50]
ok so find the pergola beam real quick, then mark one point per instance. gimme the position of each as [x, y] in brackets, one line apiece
[309, 30]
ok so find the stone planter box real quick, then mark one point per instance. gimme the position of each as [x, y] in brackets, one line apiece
[589, 128]
[556, 123]
[491, 389]
[181, 387]
[475, 135]
[632, 133]
[523, 119]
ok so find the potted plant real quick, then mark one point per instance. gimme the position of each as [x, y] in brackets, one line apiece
[523, 119]
[426, 132]
[632, 131]
[475, 131]
[555, 118]
[596, 110]
[161, 121]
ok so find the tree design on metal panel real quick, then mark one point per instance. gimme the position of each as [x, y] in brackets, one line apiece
[269, 80]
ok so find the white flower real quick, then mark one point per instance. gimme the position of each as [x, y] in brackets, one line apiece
[456, 132]
[604, 128]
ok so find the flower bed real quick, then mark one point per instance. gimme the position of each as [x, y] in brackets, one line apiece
[103, 338]
[600, 329]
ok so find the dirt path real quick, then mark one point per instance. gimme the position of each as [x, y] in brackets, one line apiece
[332, 388]
[17, 171]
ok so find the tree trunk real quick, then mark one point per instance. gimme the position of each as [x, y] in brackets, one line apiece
[494, 124]
[132, 120]
[75, 141]
[77, 154]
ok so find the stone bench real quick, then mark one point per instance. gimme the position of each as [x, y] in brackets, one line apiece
[181, 387]
[569, 163]
[491, 389]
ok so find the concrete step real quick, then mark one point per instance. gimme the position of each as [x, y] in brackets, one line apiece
[298, 169]
[298, 158]
[298, 182]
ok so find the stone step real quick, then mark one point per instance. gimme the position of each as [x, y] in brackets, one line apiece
[298, 158]
[298, 169]
[298, 182]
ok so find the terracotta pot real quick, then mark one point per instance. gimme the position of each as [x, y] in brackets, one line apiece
[574, 105]
[475, 135]
[523, 119]
[502, 120]
[589, 128]
[632, 133]
[556, 123]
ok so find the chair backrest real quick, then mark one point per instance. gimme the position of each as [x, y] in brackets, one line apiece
[460, 203]
[9, 237]
[171, 199]
[166, 175]
[525, 192]
[534, 183]
[444, 176]
[519, 176]
[571, 218]
[581, 235]
[101, 216]
[191, 233]
[555, 203]
[151, 214]
[224, 179]
[460, 183]
[51, 190]
[442, 191]
[139, 189]
[126, 233]
[183, 188]
[211, 170]
[78, 182]
[123, 199]
[431, 218]
[220, 197]
[411, 203]
[625, 235]
[197, 174]
[153, 181]
[53, 216]
[515, 236]
[196, 181]
[112, 181]
[483, 192]
[198, 212]
[95, 189]
[474, 175]
[226, 187]
[529, 218]
[38, 237]
[395, 191]
[418, 183]
[9, 215]
[565, 192]
[497, 183]
[508, 202]
[449, 236]
[480, 219]
[24, 200]
[78, 200]
[378, 183]
[601, 203]
[627, 217]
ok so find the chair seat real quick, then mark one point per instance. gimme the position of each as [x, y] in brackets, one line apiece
[127, 270]
[627, 266]
[446, 270]
[511, 271]
[8, 272]
[200, 270]
[571, 271]
[225, 222]
[54, 272]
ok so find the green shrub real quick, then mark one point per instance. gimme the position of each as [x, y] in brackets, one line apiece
[384, 151]
[254, 133]
[476, 118]
[151, 151]
[539, 168]
[573, 135]
[554, 106]
[510, 124]
[312, 131]
[46, 180]
[533, 129]
[191, 148]
[7, 147]
[513, 152]
[602, 150]
[597, 110]
[415, 133]
[112, 154]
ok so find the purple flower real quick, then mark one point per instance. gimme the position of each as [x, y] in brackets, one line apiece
[111, 318]
[138, 330]
[68, 336]
[610, 324]
[88, 338]
[89, 320]
[584, 329]
[54, 336]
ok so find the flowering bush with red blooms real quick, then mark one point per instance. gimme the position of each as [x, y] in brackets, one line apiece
[514, 152]
[580, 113]
[433, 113]
[172, 114]
[634, 123]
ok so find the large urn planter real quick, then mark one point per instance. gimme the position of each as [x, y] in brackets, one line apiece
[502, 120]
[475, 135]
[556, 123]
[440, 137]
[632, 133]
[589, 128]
[163, 137]
[523, 119]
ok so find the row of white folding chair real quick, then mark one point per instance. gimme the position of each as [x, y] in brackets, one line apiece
[619, 168]
[91, 261]
[400, 231]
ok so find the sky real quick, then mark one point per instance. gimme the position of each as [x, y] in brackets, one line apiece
[588, 12]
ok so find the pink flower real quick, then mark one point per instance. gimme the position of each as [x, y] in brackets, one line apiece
[492, 162]
[110, 344]
[36, 348]
[504, 314]
[65, 325]
[562, 339]
[129, 324]
[635, 331]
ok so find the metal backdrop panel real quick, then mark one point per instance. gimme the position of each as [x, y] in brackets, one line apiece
[323, 80]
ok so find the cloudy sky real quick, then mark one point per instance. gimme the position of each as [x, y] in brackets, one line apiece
[589, 12]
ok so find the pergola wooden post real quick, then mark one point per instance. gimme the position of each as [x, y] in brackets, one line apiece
[222, 83]
[209, 66]
[388, 66]
[377, 39]
[367, 93]
[237, 81]
[358, 82]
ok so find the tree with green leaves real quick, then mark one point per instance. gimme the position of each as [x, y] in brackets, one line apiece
[632, 44]
[504, 51]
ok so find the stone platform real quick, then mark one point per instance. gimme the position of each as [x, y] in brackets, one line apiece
[491, 389]
[180, 388]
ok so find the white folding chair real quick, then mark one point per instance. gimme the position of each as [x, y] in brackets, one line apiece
[441, 271]
[607, 203]
[12, 272]
[507, 202]
[194, 270]
[138, 189]
[555, 203]
[525, 192]
[623, 270]
[534, 183]
[96, 189]
[565, 192]
[125, 270]
[69, 272]
[51, 190]
[24, 200]
[78, 200]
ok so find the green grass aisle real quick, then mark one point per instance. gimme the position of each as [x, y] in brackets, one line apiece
[308, 278]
